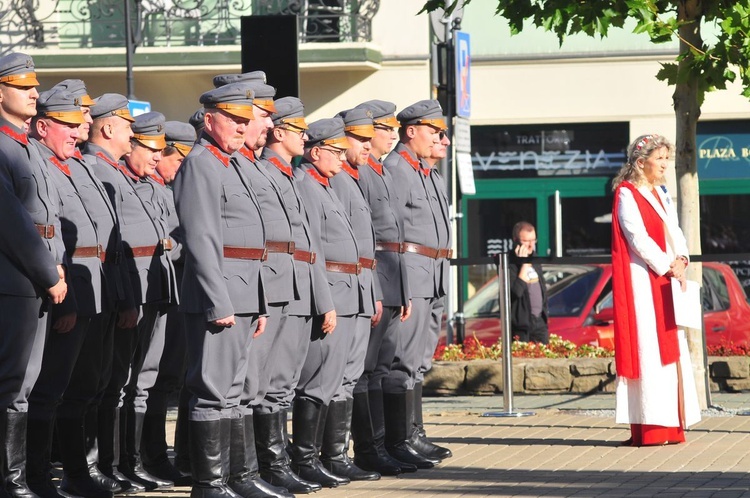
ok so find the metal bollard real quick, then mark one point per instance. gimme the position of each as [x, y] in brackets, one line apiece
[503, 282]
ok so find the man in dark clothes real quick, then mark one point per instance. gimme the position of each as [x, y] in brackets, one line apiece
[528, 293]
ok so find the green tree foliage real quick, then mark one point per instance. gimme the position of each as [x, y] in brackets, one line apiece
[710, 66]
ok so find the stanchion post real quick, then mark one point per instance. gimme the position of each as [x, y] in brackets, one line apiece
[503, 285]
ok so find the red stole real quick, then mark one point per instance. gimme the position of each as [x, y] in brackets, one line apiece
[626, 329]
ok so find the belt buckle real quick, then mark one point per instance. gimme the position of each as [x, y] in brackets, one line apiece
[264, 255]
[358, 266]
[49, 231]
[99, 251]
[313, 257]
[402, 247]
[166, 244]
[290, 247]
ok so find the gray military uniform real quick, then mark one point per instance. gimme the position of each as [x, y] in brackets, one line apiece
[28, 264]
[218, 209]
[313, 299]
[323, 371]
[279, 279]
[425, 281]
[86, 292]
[95, 358]
[347, 188]
[378, 189]
[438, 197]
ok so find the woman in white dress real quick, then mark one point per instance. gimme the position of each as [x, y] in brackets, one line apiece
[655, 387]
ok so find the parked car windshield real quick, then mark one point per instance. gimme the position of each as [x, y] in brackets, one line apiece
[569, 295]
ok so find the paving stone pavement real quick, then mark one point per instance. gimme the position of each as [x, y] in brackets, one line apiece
[568, 447]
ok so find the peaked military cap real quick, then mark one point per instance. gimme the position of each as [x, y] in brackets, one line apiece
[111, 104]
[289, 112]
[196, 120]
[328, 131]
[426, 112]
[148, 130]
[264, 93]
[179, 135]
[78, 89]
[383, 113]
[226, 79]
[17, 69]
[358, 122]
[59, 104]
[235, 99]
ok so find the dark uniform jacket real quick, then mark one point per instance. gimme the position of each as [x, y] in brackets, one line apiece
[217, 208]
[28, 262]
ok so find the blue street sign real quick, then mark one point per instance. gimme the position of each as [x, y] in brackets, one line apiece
[463, 74]
[138, 107]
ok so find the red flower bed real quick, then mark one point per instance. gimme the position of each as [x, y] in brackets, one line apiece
[474, 349]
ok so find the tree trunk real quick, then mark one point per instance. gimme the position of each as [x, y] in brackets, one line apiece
[687, 112]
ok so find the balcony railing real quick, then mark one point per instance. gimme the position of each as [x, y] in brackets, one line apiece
[68, 24]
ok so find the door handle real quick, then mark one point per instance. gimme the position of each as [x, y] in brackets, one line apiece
[718, 329]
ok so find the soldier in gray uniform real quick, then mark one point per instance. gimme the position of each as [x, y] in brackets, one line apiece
[323, 371]
[376, 183]
[31, 256]
[146, 347]
[55, 139]
[421, 124]
[438, 197]
[145, 253]
[279, 280]
[286, 141]
[359, 129]
[222, 293]
[180, 138]
[95, 355]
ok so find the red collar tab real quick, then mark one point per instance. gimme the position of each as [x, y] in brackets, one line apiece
[103, 157]
[374, 164]
[77, 154]
[158, 179]
[21, 138]
[60, 165]
[413, 163]
[248, 153]
[287, 170]
[353, 172]
[218, 153]
[318, 177]
[129, 173]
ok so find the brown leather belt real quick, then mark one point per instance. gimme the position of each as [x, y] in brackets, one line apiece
[370, 264]
[390, 247]
[350, 268]
[144, 251]
[89, 252]
[282, 247]
[246, 253]
[427, 251]
[304, 256]
[46, 231]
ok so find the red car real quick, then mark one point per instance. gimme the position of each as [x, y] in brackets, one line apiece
[579, 298]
